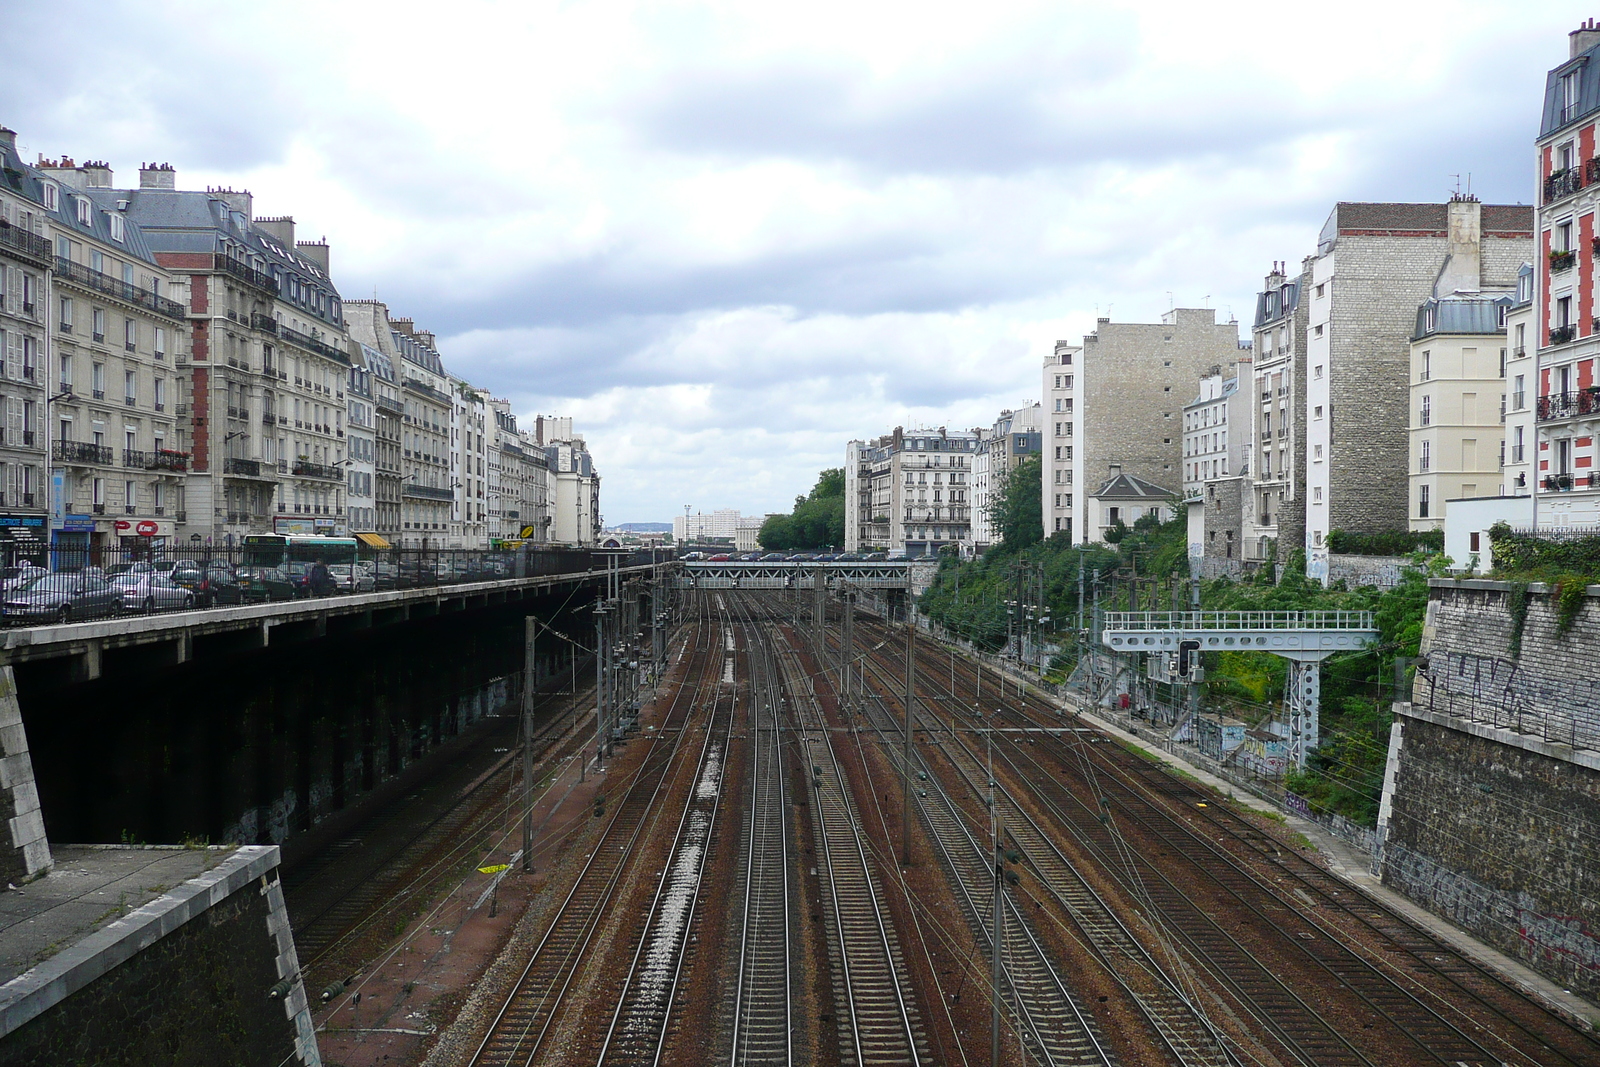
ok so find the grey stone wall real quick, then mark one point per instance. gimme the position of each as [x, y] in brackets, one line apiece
[1225, 504]
[1491, 813]
[24, 849]
[1135, 380]
[1356, 571]
[1503, 842]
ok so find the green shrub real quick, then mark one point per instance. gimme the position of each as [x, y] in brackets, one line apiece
[1388, 543]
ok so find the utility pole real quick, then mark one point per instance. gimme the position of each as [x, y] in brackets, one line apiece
[911, 681]
[999, 915]
[530, 675]
[847, 645]
[600, 657]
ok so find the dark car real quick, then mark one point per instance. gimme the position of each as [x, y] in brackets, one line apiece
[212, 582]
[258, 585]
[774, 557]
[877, 557]
[850, 557]
[827, 557]
[802, 557]
[63, 597]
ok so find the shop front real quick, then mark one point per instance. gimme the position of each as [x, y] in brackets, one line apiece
[22, 539]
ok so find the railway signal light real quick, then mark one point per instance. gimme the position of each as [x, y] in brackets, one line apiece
[1188, 658]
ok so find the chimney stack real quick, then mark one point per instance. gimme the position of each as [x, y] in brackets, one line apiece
[157, 176]
[316, 252]
[97, 174]
[8, 138]
[278, 227]
[1584, 38]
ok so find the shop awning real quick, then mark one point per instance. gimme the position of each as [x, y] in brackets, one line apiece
[372, 540]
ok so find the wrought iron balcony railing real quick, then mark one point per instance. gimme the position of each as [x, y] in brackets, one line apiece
[1562, 183]
[28, 245]
[1569, 405]
[1560, 335]
[80, 453]
[306, 469]
[245, 273]
[105, 283]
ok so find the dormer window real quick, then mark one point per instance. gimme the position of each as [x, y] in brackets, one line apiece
[118, 228]
[1569, 96]
[85, 211]
[52, 201]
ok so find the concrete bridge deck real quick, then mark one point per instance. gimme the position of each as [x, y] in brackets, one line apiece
[178, 637]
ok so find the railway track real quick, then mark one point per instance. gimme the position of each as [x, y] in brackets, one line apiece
[761, 1022]
[638, 1029]
[879, 1020]
[335, 897]
[524, 1022]
[1430, 1022]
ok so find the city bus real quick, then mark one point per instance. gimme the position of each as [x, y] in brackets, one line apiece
[275, 550]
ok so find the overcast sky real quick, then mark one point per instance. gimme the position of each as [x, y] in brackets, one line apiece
[727, 238]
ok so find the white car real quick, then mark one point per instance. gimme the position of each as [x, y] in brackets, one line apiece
[351, 578]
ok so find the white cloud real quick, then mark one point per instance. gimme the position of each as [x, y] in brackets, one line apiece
[727, 237]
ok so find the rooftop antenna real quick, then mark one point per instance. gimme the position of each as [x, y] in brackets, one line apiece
[1169, 300]
[1205, 301]
[1469, 184]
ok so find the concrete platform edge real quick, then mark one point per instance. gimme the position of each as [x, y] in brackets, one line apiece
[35, 991]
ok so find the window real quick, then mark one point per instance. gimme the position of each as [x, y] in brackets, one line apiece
[1562, 241]
[1422, 501]
[1426, 416]
[130, 334]
[99, 319]
[65, 319]
[1317, 453]
[1569, 96]
[160, 343]
[118, 230]
[1322, 290]
[161, 394]
[130, 391]
[85, 210]
[1516, 445]
[1317, 411]
[1564, 311]
[66, 374]
[1425, 456]
[1518, 393]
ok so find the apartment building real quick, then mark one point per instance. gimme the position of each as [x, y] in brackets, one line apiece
[469, 458]
[115, 440]
[1458, 402]
[1517, 471]
[574, 484]
[1277, 436]
[1374, 266]
[908, 492]
[1216, 428]
[361, 427]
[388, 417]
[25, 260]
[1114, 412]
[422, 394]
[263, 408]
[1566, 317]
[1001, 448]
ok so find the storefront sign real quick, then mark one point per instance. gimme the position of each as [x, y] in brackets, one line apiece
[78, 523]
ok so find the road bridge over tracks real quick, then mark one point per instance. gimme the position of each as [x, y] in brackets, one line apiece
[895, 574]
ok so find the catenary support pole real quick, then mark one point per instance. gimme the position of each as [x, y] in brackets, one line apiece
[530, 675]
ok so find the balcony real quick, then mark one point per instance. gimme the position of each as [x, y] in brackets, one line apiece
[1569, 405]
[1557, 483]
[427, 492]
[27, 245]
[269, 419]
[1562, 183]
[1562, 260]
[245, 468]
[1518, 352]
[264, 323]
[304, 468]
[98, 509]
[166, 459]
[105, 283]
[80, 454]
[314, 344]
[418, 386]
[389, 404]
[1560, 335]
[133, 457]
[248, 275]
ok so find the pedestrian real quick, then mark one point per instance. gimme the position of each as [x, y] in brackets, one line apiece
[320, 580]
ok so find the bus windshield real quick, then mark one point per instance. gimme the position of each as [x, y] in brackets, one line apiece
[274, 550]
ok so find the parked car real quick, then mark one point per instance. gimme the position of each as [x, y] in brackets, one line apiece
[850, 557]
[750, 557]
[148, 591]
[62, 597]
[20, 575]
[802, 557]
[259, 585]
[116, 570]
[774, 557]
[826, 558]
[720, 557]
[692, 557]
[351, 578]
[385, 575]
[877, 557]
[212, 582]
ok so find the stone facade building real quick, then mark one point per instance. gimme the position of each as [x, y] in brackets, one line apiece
[906, 493]
[361, 424]
[1114, 406]
[469, 458]
[1001, 448]
[1521, 384]
[25, 262]
[1375, 264]
[116, 442]
[1278, 425]
[574, 485]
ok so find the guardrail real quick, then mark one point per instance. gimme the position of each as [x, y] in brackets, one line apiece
[1238, 620]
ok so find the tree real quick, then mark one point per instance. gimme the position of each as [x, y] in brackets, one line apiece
[1014, 508]
[817, 520]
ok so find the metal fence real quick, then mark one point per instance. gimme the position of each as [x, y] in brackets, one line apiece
[51, 585]
[1499, 692]
[1238, 620]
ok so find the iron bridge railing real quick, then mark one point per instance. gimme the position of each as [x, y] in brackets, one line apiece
[1238, 620]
